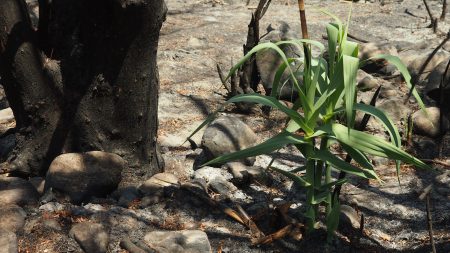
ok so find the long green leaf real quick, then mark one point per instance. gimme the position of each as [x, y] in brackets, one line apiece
[266, 147]
[350, 70]
[272, 102]
[298, 179]
[405, 73]
[371, 144]
[325, 155]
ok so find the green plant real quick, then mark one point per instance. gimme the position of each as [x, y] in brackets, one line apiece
[328, 93]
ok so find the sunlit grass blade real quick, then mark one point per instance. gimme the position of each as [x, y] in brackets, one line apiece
[350, 69]
[272, 102]
[325, 155]
[333, 34]
[358, 156]
[278, 75]
[266, 147]
[208, 120]
[405, 73]
[370, 144]
[297, 179]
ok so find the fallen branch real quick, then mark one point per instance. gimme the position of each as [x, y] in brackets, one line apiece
[434, 21]
[325, 37]
[430, 224]
[444, 10]
[414, 15]
[275, 236]
[256, 233]
[435, 161]
[213, 203]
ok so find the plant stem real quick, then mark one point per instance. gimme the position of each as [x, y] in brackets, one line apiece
[301, 7]
[444, 10]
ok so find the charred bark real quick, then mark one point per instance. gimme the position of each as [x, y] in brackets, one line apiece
[86, 80]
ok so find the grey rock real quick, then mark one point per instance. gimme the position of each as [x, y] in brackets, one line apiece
[38, 183]
[387, 92]
[83, 175]
[8, 242]
[222, 187]
[395, 109]
[52, 224]
[367, 83]
[158, 183]
[92, 237]
[369, 50]
[415, 61]
[12, 218]
[239, 172]
[52, 207]
[192, 241]
[94, 207]
[426, 148]
[7, 144]
[349, 217]
[149, 200]
[7, 120]
[3, 101]
[14, 190]
[228, 134]
[196, 43]
[268, 61]
[434, 81]
[127, 196]
[429, 124]
[6, 116]
[259, 175]
[209, 173]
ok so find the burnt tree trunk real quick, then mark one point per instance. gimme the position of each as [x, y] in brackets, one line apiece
[85, 80]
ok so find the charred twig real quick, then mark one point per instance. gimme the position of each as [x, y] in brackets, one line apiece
[445, 164]
[430, 224]
[426, 195]
[275, 236]
[248, 72]
[443, 110]
[444, 10]
[222, 78]
[256, 233]
[205, 197]
[414, 15]
[325, 37]
[434, 21]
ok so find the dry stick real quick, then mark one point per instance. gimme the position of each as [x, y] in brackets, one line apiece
[414, 15]
[205, 197]
[256, 233]
[433, 19]
[442, 109]
[301, 7]
[444, 10]
[275, 236]
[222, 78]
[361, 127]
[430, 224]
[445, 164]
[425, 64]
[325, 37]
